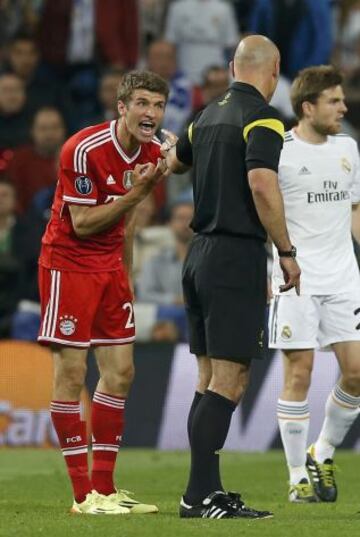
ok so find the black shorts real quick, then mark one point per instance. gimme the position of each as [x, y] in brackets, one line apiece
[225, 286]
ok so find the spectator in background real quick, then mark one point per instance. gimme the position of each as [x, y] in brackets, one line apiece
[14, 113]
[301, 29]
[152, 19]
[16, 15]
[77, 37]
[160, 278]
[107, 97]
[150, 237]
[161, 59]
[33, 166]
[10, 265]
[281, 101]
[71, 31]
[242, 10]
[204, 32]
[347, 57]
[215, 82]
[23, 59]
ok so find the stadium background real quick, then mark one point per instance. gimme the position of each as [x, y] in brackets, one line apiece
[53, 58]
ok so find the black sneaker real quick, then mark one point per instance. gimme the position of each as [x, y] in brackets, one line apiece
[322, 477]
[221, 505]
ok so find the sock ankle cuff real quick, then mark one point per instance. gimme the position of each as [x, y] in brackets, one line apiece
[109, 401]
[292, 409]
[65, 407]
[220, 398]
[344, 399]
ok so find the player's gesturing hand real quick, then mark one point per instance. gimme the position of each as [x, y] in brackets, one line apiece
[291, 272]
[169, 142]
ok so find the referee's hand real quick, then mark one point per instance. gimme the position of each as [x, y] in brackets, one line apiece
[291, 273]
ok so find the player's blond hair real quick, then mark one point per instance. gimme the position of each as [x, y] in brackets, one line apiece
[310, 83]
[141, 80]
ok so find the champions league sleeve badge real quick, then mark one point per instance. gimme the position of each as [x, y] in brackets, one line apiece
[83, 185]
[127, 179]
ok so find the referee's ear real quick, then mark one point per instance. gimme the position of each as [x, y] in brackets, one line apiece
[231, 67]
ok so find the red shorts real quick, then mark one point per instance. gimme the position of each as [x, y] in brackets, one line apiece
[82, 309]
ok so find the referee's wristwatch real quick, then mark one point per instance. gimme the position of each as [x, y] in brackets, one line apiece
[289, 253]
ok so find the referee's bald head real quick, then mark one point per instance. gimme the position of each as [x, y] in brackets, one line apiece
[254, 51]
[257, 62]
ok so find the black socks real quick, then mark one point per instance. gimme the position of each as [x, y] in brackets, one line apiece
[209, 420]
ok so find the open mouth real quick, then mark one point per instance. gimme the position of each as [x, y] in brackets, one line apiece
[147, 127]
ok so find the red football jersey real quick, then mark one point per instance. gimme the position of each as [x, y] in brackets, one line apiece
[94, 169]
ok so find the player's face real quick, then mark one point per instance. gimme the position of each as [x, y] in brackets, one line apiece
[143, 114]
[326, 114]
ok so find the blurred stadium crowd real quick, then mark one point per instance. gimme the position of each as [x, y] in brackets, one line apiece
[60, 64]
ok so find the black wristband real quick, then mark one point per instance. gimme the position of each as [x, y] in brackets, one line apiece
[289, 253]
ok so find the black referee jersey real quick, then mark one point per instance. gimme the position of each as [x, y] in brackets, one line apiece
[233, 135]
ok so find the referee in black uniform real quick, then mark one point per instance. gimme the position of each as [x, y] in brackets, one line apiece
[234, 147]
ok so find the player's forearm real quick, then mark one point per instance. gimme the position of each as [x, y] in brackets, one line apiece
[92, 220]
[173, 163]
[270, 208]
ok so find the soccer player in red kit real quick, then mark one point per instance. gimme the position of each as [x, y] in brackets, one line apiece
[85, 283]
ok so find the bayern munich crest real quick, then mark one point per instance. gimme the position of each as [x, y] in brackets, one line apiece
[67, 325]
[83, 185]
[127, 179]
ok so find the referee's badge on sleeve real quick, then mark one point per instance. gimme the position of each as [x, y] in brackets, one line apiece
[83, 185]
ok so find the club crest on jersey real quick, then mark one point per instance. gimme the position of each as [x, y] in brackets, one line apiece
[345, 164]
[67, 325]
[83, 185]
[127, 179]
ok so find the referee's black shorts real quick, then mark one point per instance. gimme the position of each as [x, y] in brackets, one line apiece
[224, 282]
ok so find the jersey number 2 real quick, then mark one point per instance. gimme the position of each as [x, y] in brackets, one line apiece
[130, 320]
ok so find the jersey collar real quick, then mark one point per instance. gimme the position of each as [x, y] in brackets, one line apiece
[118, 147]
[248, 88]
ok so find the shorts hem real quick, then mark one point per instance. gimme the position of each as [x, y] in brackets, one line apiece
[345, 339]
[294, 345]
[48, 340]
[118, 341]
[231, 358]
[85, 344]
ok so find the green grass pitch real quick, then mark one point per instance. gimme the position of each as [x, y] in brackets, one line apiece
[35, 497]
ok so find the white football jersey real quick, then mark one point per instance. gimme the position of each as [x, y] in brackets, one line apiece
[319, 183]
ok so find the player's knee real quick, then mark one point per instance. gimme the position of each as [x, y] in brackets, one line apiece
[119, 381]
[231, 388]
[204, 379]
[71, 378]
[299, 380]
[351, 381]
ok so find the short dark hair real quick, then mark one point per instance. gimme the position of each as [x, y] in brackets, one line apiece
[46, 108]
[5, 180]
[141, 80]
[23, 35]
[310, 83]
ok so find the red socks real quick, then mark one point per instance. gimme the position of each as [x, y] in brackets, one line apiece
[107, 429]
[73, 442]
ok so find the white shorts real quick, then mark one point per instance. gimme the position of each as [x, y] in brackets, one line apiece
[313, 321]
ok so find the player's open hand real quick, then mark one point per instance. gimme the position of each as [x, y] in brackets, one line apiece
[291, 273]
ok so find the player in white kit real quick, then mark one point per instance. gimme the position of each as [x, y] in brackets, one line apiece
[319, 176]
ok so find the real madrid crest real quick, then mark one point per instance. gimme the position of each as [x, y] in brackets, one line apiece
[286, 332]
[345, 165]
[127, 179]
